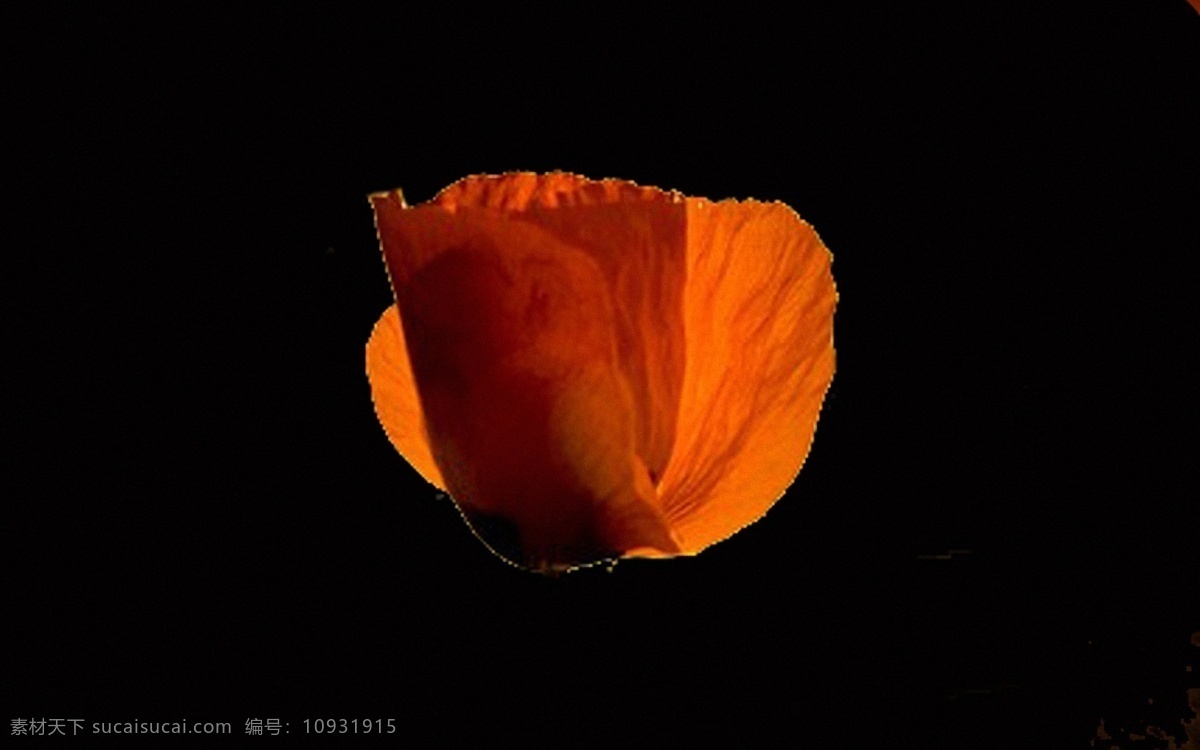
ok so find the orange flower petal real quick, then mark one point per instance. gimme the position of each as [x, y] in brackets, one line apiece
[394, 394]
[759, 319]
[599, 369]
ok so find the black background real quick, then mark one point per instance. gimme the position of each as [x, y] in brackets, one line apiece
[209, 523]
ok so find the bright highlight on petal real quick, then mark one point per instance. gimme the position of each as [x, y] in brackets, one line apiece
[594, 369]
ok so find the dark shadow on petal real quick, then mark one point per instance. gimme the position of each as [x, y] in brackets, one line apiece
[500, 534]
[503, 537]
